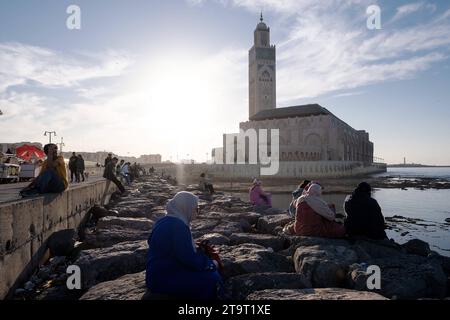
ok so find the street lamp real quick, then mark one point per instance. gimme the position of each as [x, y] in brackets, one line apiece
[50, 135]
[61, 145]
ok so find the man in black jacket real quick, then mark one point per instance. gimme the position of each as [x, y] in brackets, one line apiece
[110, 176]
[364, 217]
[73, 167]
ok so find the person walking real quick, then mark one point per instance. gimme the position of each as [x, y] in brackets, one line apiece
[73, 166]
[80, 168]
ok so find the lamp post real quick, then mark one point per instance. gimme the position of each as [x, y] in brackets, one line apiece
[61, 145]
[50, 135]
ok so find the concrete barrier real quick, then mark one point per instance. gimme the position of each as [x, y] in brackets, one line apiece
[25, 226]
[287, 169]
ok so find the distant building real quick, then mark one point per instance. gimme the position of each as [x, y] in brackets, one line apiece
[99, 157]
[150, 159]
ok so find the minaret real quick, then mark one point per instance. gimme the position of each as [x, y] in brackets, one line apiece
[262, 71]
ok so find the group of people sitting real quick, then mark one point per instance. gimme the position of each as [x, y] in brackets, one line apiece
[314, 217]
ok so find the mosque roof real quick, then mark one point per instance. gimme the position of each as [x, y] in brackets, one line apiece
[291, 112]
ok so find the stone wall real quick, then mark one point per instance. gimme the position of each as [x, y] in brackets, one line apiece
[26, 225]
[287, 169]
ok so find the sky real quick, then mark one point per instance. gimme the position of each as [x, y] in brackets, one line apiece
[170, 77]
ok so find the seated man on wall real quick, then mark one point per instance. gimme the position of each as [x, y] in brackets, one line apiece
[53, 175]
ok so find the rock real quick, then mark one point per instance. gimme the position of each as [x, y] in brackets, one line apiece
[203, 226]
[403, 277]
[377, 248]
[228, 227]
[44, 273]
[251, 217]
[143, 224]
[314, 294]
[265, 240]
[252, 258]
[447, 220]
[302, 241]
[62, 243]
[418, 247]
[106, 237]
[98, 265]
[326, 266]
[215, 239]
[56, 261]
[97, 212]
[29, 286]
[127, 287]
[273, 223]
[274, 211]
[19, 291]
[241, 286]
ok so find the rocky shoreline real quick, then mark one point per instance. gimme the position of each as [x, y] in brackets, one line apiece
[260, 262]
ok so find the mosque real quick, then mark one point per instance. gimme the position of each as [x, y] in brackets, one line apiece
[307, 133]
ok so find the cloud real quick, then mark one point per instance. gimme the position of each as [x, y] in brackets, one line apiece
[167, 104]
[410, 8]
[22, 63]
[327, 46]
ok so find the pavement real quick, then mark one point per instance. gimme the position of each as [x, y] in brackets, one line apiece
[10, 192]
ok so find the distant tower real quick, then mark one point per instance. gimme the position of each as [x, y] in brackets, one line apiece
[262, 75]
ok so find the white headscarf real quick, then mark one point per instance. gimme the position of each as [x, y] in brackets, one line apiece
[182, 206]
[313, 197]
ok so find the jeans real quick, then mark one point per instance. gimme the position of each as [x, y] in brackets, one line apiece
[50, 182]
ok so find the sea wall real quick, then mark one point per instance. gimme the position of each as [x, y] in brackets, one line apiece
[287, 169]
[25, 226]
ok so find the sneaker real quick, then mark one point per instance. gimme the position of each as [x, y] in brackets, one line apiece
[29, 193]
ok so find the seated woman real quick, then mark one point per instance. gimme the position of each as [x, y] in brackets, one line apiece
[364, 217]
[205, 184]
[258, 197]
[174, 266]
[314, 217]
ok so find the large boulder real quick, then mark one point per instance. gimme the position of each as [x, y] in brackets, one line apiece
[105, 237]
[62, 243]
[403, 277]
[128, 287]
[143, 224]
[98, 265]
[240, 287]
[227, 228]
[314, 294]
[265, 240]
[252, 258]
[418, 247]
[303, 241]
[215, 239]
[250, 217]
[324, 265]
[273, 224]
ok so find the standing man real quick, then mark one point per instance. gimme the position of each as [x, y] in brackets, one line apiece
[109, 175]
[119, 168]
[73, 166]
[80, 167]
[53, 175]
[108, 159]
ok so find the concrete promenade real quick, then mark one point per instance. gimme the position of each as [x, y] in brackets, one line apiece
[26, 225]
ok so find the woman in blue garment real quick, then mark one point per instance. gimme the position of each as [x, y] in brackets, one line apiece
[174, 266]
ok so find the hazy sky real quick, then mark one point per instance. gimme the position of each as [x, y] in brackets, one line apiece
[170, 77]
